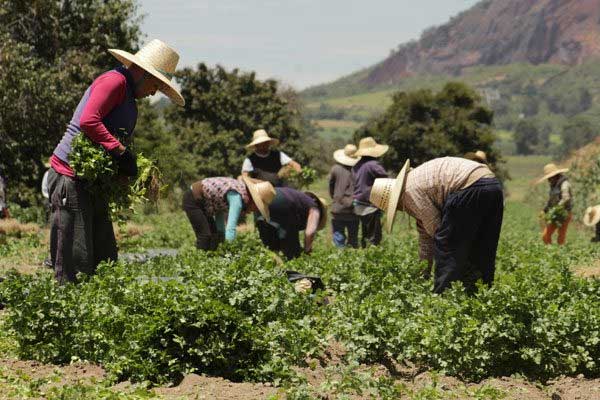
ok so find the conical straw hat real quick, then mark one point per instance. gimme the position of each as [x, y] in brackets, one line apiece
[346, 155]
[322, 209]
[591, 216]
[157, 59]
[385, 195]
[261, 136]
[369, 147]
[262, 194]
[551, 170]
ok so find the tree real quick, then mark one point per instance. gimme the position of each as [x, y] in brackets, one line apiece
[527, 137]
[423, 125]
[577, 132]
[50, 51]
[222, 111]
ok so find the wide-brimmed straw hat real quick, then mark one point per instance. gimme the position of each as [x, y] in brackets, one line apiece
[591, 216]
[551, 170]
[346, 156]
[261, 136]
[159, 60]
[322, 209]
[369, 147]
[386, 192]
[262, 194]
[481, 156]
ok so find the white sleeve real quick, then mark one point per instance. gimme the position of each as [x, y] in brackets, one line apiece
[247, 166]
[284, 158]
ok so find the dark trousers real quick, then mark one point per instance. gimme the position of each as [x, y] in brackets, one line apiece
[467, 239]
[339, 228]
[203, 224]
[289, 245]
[597, 238]
[371, 229]
[81, 232]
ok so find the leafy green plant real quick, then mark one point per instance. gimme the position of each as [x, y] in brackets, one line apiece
[96, 167]
[301, 180]
[556, 215]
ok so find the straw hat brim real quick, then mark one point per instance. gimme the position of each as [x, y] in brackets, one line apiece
[167, 88]
[341, 157]
[273, 141]
[591, 216]
[551, 174]
[322, 210]
[376, 151]
[390, 213]
[260, 204]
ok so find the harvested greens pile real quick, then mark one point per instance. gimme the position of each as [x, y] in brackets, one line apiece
[99, 170]
[556, 215]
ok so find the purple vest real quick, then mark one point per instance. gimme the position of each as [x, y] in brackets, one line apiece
[122, 117]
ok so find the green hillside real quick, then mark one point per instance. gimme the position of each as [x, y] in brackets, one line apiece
[547, 94]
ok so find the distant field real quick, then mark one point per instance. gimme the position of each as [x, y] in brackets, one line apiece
[524, 170]
[336, 123]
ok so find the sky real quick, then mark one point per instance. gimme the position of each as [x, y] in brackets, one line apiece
[299, 42]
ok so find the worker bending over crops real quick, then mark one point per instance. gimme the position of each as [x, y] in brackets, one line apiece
[81, 233]
[364, 174]
[458, 205]
[557, 213]
[292, 211]
[592, 218]
[207, 201]
[341, 189]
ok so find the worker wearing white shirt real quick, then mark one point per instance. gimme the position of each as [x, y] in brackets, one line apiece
[265, 163]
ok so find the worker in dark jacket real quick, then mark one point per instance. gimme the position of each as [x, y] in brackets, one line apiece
[341, 189]
[364, 174]
[290, 212]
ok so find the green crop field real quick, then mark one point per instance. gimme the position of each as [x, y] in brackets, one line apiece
[232, 314]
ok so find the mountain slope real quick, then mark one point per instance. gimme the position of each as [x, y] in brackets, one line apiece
[493, 32]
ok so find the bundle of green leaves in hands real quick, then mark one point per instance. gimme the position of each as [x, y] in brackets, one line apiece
[99, 170]
[302, 179]
[556, 215]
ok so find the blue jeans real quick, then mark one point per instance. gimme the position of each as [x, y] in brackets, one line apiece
[340, 227]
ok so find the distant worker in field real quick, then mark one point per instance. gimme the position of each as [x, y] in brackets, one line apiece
[344, 222]
[4, 213]
[557, 213]
[266, 163]
[478, 156]
[81, 234]
[290, 212]
[592, 218]
[364, 174]
[208, 202]
[458, 205]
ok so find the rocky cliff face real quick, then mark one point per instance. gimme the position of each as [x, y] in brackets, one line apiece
[496, 32]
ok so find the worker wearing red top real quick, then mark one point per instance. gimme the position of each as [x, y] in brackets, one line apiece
[81, 233]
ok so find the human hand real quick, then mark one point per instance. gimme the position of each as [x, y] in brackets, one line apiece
[127, 163]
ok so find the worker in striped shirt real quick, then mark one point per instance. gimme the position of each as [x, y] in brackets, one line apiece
[458, 205]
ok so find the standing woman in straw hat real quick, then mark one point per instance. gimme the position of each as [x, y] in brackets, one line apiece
[364, 174]
[341, 190]
[560, 203]
[208, 200]
[290, 212]
[81, 231]
[265, 163]
[458, 205]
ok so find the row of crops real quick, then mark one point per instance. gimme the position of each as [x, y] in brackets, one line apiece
[232, 313]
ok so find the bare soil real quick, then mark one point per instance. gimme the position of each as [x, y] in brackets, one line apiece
[204, 387]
